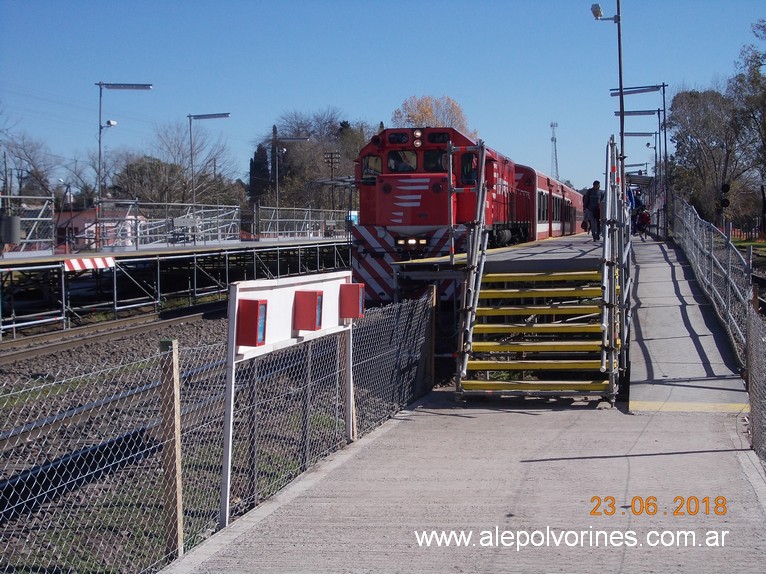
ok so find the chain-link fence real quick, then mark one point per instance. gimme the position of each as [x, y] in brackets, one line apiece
[725, 277]
[756, 376]
[120, 470]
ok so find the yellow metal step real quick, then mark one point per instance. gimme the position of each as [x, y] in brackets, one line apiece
[536, 328]
[538, 310]
[597, 386]
[569, 292]
[536, 346]
[541, 276]
[558, 365]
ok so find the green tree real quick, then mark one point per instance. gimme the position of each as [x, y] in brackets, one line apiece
[748, 88]
[711, 147]
[259, 174]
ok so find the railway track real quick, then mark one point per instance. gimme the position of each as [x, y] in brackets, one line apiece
[56, 341]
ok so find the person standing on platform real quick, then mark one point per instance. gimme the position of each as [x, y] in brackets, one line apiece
[591, 202]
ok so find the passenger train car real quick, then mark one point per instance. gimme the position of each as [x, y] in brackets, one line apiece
[418, 190]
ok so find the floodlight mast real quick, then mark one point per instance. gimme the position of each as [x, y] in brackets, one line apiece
[111, 123]
[276, 140]
[598, 14]
[191, 162]
[663, 128]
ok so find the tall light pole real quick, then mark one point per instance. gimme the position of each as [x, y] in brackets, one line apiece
[663, 179]
[598, 14]
[663, 124]
[276, 140]
[191, 162]
[101, 87]
[657, 164]
[663, 128]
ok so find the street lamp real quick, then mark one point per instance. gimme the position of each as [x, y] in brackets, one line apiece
[110, 123]
[598, 14]
[276, 140]
[191, 162]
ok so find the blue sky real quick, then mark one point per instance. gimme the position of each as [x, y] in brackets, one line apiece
[514, 66]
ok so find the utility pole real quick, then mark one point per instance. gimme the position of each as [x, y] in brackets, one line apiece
[332, 158]
[554, 152]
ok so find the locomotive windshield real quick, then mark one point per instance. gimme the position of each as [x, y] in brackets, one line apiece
[434, 160]
[371, 167]
[402, 161]
[469, 168]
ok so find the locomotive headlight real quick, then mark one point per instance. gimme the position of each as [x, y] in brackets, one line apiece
[417, 143]
[418, 134]
[411, 243]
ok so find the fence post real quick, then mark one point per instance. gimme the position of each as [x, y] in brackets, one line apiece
[253, 441]
[306, 431]
[710, 258]
[351, 427]
[228, 410]
[170, 437]
[729, 286]
[430, 374]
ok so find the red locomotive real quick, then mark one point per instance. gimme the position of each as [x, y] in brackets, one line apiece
[409, 210]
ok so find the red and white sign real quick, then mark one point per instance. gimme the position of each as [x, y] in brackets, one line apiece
[89, 263]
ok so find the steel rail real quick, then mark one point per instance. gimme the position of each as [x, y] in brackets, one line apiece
[50, 343]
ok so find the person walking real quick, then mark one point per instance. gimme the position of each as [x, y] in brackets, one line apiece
[591, 202]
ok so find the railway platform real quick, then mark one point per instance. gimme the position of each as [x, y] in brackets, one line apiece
[663, 483]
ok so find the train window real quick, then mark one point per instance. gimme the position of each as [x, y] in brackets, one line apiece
[438, 137]
[402, 161]
[371, 167]
[469, 168]
[434, 160]
[398, 138]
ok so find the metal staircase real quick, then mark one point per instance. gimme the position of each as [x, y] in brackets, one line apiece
[537, 334]
[552, 333]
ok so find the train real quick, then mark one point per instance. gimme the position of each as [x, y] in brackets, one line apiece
[418, 189]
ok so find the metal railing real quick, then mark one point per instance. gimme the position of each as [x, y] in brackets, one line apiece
[31, 220]
[726, 278]
[270, 222]
[616, 279]
[119, 470]
[129, 225]
[721, 270]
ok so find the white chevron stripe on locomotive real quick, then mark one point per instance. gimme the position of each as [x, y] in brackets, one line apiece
[89, 263]
[375, 272]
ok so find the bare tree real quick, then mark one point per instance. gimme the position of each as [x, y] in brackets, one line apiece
[303, 164]
[164, 176]
[428, 111]
[32, 163]
[212, 159]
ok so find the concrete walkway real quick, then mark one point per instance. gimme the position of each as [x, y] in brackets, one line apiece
[667, 485]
